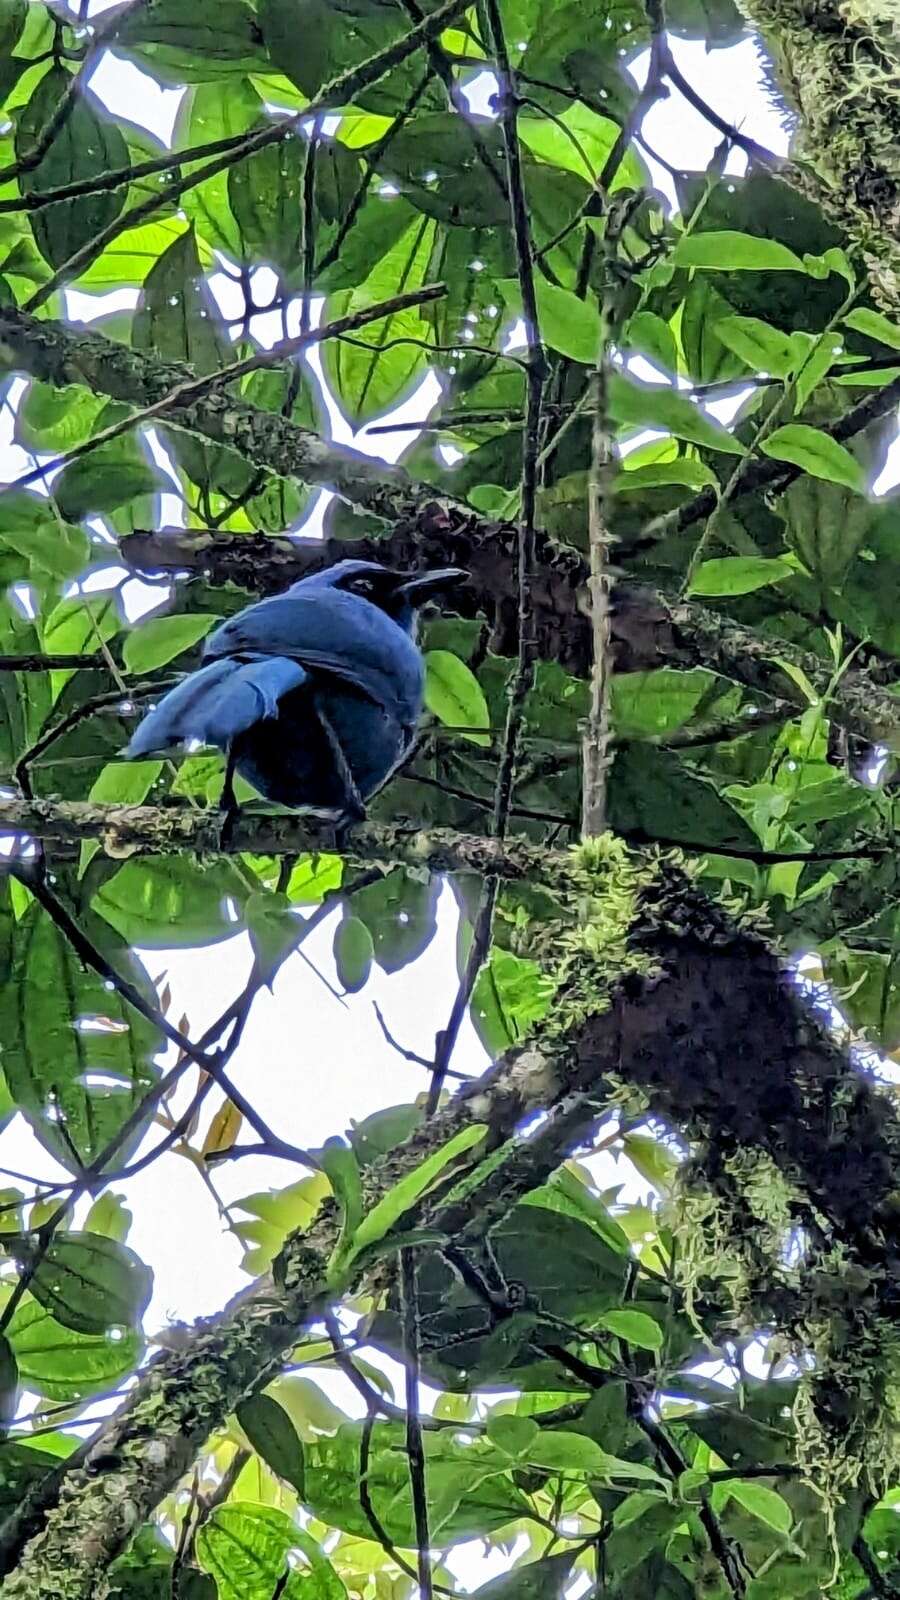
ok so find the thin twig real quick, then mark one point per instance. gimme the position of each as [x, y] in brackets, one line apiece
[415, 1443]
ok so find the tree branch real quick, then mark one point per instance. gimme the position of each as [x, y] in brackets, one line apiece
[648, 629]
[688, 981]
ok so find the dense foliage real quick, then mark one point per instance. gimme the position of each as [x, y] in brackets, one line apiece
[735, 678]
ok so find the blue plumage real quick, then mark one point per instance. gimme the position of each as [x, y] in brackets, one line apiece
[314, 695]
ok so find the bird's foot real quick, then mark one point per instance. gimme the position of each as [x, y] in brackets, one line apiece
[229, 814]
[352, 815]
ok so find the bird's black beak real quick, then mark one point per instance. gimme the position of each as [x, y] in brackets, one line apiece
[421, 585]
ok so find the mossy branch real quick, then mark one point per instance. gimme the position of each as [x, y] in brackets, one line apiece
[654, 983]
[838, 68]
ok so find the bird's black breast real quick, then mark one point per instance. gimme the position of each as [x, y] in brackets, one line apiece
[289, 758]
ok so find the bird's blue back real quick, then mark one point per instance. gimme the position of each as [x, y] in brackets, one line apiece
[286, 678]
[334, 631]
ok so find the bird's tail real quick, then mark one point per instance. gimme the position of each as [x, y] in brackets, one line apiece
[217, 703]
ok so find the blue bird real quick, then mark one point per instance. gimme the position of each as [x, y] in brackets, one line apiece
[314, 694]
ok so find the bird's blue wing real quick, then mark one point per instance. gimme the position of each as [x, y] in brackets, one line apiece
[215, 704]
[335, 632]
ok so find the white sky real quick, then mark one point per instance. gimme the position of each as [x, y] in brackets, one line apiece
[307, 1061]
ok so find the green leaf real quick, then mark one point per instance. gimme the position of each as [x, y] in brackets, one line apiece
[515, 1435]
[86, 146]
[110, 1216]
[265, 193]
[875, 326]
[31, 527]
[371, 376]
[510, 993]
[653, 1159]
[379, 1134]
[816, 354]
[740, 574]
[313, 878]
[827, 524]
[655, 795]
[159, 640]
[77, 1059]
[190, 46]
[763, 348]
[129, 258]
[568, 324]
[12, 21]
[109, 477]
[400, 912]
[274, 1437]
[177, 318]
[467, 1493]
[63, 1365]
[454, 695]
[579, 140]
[642, 405]
[166, 901]
[684, 471]
[354, 952]
[652, 335]
[54, 419]
[218, 110]
[635, 1327]
[403, 1196]
[574, 1452]
[273, 929]
[646, 705]
[763, 1503]
[729, 251]
[88, 1282]
[245, 1547]
[815, 452]
[342, 1171]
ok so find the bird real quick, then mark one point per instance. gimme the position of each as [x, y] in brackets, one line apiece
[313, 695]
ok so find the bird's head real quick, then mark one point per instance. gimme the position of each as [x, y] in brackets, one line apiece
[397, 593]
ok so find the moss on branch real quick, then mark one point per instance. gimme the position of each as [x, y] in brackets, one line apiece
[655, 983]
[837, 63]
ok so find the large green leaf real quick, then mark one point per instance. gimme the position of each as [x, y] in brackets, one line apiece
[465, 1495]
[86, 146]
[246, 1548]
[643, 405]
[566, 322]
[76, 1058]
[827, 524]
[88, 1282]
[729, 251]
[390, 355]
[190, 46]
[40, 536]
[63, 1365]
[815, 452]
[219, 110]
[725, 575]
[109, 477]
[166, 901]
[156, 642]
[399, 912]
[273, 1436]
[454, 695]
[177, 318]
[652, 794]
